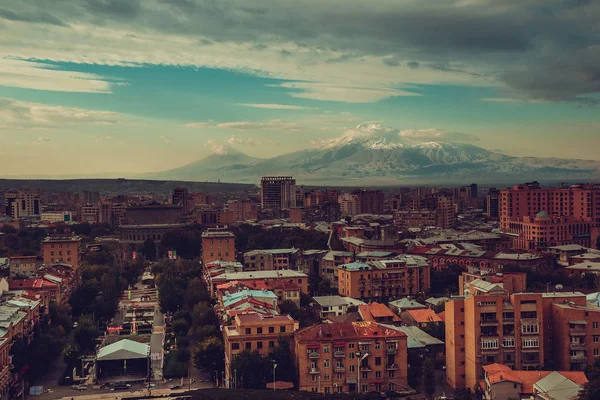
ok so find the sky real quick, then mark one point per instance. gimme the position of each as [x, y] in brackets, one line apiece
[111, 86]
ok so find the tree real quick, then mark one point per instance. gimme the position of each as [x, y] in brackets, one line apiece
[71, 353]
[180, 327]
[463, 394]
[209, 355]
[437, 330]
[282, 356]
[187, 243]
[204, 315]
[195, 293]
[444, 282]
[149, 249]
[428, 378]
[86, 333]
[252, 369]
[173, 367]
[591, 390]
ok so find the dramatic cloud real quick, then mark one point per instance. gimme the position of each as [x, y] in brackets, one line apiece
[277, 106]
[43, 76]
[273, 125]
[17, 115]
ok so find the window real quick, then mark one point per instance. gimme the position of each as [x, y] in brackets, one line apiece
[508, 342]
[326, 349]
[326, 363]
[339, 377]
[595, 325]
[326, 377]
[377, 374]
[377, 360]
[271, 344]
[326, 387]
[248, 346]
[489, 344]
[235, 346]
[377, 346]
[595, 338]
[258, 331]
[365, 375]
[531, 342]
[282, 328]
[596, 352]
[351, 355]
[271, 329]
[351, 345]
[391, 374]
[351, 368]
[248, 331]
[530, 329]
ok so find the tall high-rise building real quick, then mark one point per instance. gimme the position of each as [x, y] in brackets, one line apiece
[21, 203]
[181, 198]
[474, 190]
[369, 201]
[278, 192]
[492, 202]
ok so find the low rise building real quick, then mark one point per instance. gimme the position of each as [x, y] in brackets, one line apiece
[401, 276]
[328, 268]
[502, 383]
[23, 266]
[218, 245]
[351, 357]
[421, 318]
[274, 259]
[255, 332]
[404, 304]
[329, 306]
[377, 312]
[62, 249]
[252, 278]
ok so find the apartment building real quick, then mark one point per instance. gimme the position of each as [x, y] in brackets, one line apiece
[402, 276]
[512, 282]
[490, 326]
[268, 260]
[350, 357]
[421, 218]
[62, 249]
[255, 332]
[545, 217]
[329, 264]
[21, 203]
[253, 279]
[242, 209]
[217, 245]
[278, 192]
[23, 266]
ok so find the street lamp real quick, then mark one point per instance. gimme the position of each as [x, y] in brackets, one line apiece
[359, 359]
[274, 367]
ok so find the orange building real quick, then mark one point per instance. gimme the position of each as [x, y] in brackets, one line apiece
[350, 357]
[23, 266]
[255, 279]
[62, 249]
[377, 312]
[255, 332]
[217, 245]
[402, 276]
[491, 326]
[551, 216]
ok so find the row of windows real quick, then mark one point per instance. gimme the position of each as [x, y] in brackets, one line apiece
[259, 331]
[248, 345]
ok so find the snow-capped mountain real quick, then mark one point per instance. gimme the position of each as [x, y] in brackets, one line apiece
[374, 154]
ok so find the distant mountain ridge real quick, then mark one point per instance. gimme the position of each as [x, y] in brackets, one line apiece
[373, 154]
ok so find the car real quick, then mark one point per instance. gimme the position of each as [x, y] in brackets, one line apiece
[174, 387]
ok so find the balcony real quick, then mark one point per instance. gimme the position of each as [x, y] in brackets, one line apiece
[577, 346]
[580, 358]
[314, 371]
[530, 363]
[391, 351]
[577, 331]
[314, 354]
[339, 354]
[365, 367]
[392, 367]
[488, 322]
[340, 369]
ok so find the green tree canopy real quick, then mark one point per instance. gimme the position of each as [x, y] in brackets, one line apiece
[428, 378]
[253, 369]
[86, 333]
[209, 355]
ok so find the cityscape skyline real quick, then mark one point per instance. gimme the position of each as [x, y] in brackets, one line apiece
[140, 87]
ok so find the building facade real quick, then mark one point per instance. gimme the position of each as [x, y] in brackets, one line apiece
[350, 357]
[255, 332]
[403, 276]
[278, 192]
[218, 245]
[62, 249]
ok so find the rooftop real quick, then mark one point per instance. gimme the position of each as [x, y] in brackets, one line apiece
[424, 316]
[217, 234]
[354, 330]
[271, 251]
[356, 266]
[374, 311]
[585, 266]
[62, 238]
[330, 301]
[414, 332]
[407, 303]
[285, 273]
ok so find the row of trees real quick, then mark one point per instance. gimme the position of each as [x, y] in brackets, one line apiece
[184, 297]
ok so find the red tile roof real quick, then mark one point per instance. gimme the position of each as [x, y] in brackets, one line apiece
[442, 315]
[349, 331]
[424, 316]
[374, 311]
[14, 284]
[499, 373]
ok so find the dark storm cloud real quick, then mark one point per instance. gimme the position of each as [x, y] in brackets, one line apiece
[40, 17]
[537, 48]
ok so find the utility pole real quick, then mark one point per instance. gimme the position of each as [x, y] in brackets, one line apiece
[274, 367]
[359, 359]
